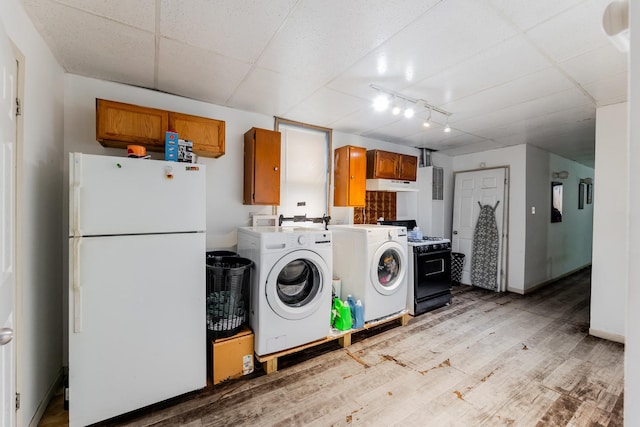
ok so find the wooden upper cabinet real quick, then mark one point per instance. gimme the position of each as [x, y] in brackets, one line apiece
[206, 134]
[382, 164]
[261, 167]
[349, 176]
[408, 167]
[119, 124]
[388, 165]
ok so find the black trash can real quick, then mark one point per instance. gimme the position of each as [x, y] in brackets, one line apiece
[217, 254]
[228, 285]
[457, 263]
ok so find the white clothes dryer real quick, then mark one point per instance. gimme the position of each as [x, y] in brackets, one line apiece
[291, 285]
[371, 262]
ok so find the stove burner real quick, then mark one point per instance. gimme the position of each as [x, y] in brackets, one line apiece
[427, 239]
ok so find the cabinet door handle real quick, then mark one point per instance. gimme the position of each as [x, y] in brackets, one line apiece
[275, 169]
[352, 177]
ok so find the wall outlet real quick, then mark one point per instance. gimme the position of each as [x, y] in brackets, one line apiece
[533, 210]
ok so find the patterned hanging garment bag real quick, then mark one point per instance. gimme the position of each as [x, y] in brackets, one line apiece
[484, 259]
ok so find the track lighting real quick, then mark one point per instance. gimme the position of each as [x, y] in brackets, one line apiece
[447, 128]
[382, 101]
[396, 108]
[409, 113]
[427, 121]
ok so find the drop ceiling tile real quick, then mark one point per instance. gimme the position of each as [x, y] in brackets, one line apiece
[270, 93]
[197, 74]
[500, 64]
[140, 13]
[571, 33]
[495, 119]
[364, 121]
[236, 29]
[526, 13]
[469, 149]
[512, 93]
[337, 33]
[435, 41]
[326, 106]
[439, 139]
[601, 62]
[90, 45]
[609, 90]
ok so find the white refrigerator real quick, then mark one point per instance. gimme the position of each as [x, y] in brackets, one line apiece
[137, 328]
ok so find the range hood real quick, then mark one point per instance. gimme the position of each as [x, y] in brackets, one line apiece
[391, 185]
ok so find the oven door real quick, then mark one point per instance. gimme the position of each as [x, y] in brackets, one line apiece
[432, 274]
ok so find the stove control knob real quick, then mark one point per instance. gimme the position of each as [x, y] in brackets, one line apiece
[302, 240]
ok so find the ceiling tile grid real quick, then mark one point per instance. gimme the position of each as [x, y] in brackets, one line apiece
[509, 71]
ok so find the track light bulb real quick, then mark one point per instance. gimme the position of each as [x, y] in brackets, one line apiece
[408, 113]
[427, 121]
[381, 102]
[447, 128]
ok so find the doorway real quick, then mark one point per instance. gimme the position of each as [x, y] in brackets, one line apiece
[471, 190]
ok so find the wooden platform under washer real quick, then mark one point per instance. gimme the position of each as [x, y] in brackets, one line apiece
[270, 361]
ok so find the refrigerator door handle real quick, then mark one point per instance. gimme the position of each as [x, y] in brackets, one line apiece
[77, 288]
[76, 186]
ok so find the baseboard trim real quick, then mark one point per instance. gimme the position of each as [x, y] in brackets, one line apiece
[37, 417]
[533, 288]
[606, 335]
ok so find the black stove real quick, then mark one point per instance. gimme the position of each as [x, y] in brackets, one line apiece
[430, 271]
[429, 244]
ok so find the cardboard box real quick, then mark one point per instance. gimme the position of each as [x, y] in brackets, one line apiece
[185, 151]
[171, 146]
[233, 356]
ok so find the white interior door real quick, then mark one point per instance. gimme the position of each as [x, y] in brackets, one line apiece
[487, 187]
[8, 77]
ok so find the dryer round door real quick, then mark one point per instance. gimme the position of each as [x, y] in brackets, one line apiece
[296, 283]
[389, 268]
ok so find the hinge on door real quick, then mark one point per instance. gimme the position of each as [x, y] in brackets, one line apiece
[17, 401]
[18, 107]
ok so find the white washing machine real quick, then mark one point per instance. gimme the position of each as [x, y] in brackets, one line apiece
[291, 285]
[371, 262]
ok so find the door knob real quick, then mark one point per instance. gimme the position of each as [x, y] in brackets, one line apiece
[455, 232]
[6, 335]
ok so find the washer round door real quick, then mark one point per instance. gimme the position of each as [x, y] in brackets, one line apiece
[389, 268]
[296, 283]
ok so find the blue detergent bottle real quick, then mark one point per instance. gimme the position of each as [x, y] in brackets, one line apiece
[358, 318]
[352, 306]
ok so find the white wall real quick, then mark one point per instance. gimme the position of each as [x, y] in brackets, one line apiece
[515, 158]
[539, 251]
[568, 242]
[555, 249]
[609, 274]
[39, 335]
[632, 342]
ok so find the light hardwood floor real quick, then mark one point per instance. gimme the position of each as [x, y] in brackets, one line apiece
[486, 360]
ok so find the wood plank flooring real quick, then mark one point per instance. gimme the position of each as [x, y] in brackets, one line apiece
[486, 360]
